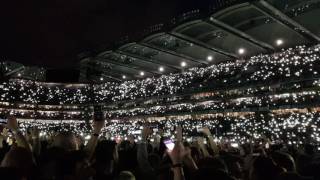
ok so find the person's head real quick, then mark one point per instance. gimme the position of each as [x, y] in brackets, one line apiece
[284, 160]
[126, 175]
[131, 139]
[66, 141]
[246, 149]
[309, 149]
[20, 159]
[48, 163]
[74, 165]
[213, 163]
[154, 160]
[234, 165]
[106, 151]
[264, 168]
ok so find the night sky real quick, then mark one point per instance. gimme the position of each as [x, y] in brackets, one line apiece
[51, 33]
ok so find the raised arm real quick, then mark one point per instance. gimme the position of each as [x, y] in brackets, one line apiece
[188, 160]
[36, 145]
[202, 146]
[142, 153]
[12, 124]
[177, 156]
[212, 144]
[92, 143]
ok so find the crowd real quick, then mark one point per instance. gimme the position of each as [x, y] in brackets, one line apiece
[293, 126]
[300, 96]
[295, 63]
[255, 119]
[66, 155]
[250, 103]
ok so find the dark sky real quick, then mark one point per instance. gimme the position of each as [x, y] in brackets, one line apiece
[51, 33]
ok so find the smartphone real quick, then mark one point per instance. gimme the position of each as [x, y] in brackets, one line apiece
[199, 130]
[137, 132]
[3, 119]
[169, 144]
[97, 113]
[234, 145]
[267, 146]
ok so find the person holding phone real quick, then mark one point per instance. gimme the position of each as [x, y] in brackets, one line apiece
[148, 171]
[97, 124]
[180, 156]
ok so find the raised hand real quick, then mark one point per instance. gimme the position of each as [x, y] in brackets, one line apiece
[12, 123]
[5, 132]
[35, 133]
[206, 131]
[200, 141]
[97, 126]
[179, 133]
[177, 154]
[146, 131]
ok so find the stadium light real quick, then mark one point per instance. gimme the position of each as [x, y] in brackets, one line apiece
[279, 42]
[241, 51]
[161, 69]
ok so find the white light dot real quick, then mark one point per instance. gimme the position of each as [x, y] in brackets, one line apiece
[183, 64]
[241, 51]
[161, 69]
[279, 42]
[141, 73]
[124, 77]
[209, 58]
[19, 74]
[101, 79]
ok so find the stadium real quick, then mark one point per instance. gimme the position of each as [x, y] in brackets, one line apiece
[247, 70]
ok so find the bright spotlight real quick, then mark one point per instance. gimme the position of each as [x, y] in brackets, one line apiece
[209, 58]
[279, 42]
[241, 51]
[161, 69]
[183, 64]
[124, 77]
[101, 79]
[141, 73]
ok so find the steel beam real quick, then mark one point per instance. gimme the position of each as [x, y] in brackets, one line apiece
[147, 60]
[239, 33]
[201, 44]
[112, 77]
[14, 71]
[107, 61]
[110, 72]
[285, 20]
[173, 53]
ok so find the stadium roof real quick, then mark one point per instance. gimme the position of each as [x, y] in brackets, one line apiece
[234, 32]
[231, 29]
